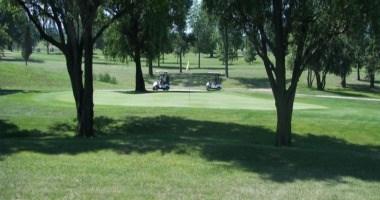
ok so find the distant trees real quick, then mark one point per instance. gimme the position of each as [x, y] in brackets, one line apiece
[358, 47]
[13, 23]
[249, 52]
[4, 40]
[142, 30]
[181, 45]
[337, 58]
[205, 31]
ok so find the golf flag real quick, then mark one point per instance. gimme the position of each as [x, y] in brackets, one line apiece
[188, 65]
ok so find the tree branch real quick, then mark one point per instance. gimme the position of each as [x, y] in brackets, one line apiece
[40, 28]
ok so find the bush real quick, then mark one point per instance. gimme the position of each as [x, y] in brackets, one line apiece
[106, 78]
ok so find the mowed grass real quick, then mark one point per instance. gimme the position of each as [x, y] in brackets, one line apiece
[176, 147]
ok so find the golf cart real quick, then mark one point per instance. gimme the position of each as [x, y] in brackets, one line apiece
[163, 82]
[214, 81]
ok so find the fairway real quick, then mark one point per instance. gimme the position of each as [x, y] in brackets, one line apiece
[189, 100]
[180, 98]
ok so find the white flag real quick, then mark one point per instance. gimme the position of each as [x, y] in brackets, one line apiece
[188, 65]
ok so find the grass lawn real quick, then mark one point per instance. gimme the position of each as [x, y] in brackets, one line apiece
[181, 145]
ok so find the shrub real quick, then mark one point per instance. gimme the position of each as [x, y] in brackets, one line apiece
[106, 78]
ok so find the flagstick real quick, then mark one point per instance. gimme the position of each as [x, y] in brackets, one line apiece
[190, 79]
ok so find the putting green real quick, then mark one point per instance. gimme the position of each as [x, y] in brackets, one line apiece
[218, 100]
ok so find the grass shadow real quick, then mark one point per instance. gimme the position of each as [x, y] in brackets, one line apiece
[242, 147]
[355, 90]
[254, 82]
[12, 59]
[10, 92]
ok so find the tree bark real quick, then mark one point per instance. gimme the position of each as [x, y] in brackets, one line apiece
[87, 115]
[159, 61]
[180, 62]
[343, 81]
[199, 58]
[47, 48]
[358, 71]
[284, 108]
[310, 78]
[140, 84]
[226, 53]
[372, 80]
[321, 80]
[74, 64]
[150, 65]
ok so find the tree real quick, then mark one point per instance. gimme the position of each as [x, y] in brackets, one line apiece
[372, 61]
[4, 40]
[275, 27]
[365, 35]
[14, 23]
[78, 24]
[139, 33]
[205, 31]
[180, 9]
[249, 53]
[341, 59]
[231, 37]
[27, 45]
[181, 46]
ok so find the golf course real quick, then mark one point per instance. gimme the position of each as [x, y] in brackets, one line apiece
[185, 143]
[189, 100]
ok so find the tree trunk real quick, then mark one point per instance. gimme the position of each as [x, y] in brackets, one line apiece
[140, 84]
[159, 61]
[372, 80]
[199, 58]
[284, 108]
[226, 48]
[310, 78]
[163, 58]
[150, 64]
[180, 62]
[47, 48]
[320, 81]
[358, 71]
[87, 114]
[74, 67]
[343, 82]
[212, 54]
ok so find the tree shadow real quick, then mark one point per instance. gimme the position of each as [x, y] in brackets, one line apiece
[108, 63]
[10, 92]
[254, 82]
[13, 59]
[241, 147]
[364, 91]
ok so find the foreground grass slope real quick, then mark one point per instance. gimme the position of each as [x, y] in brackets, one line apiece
[215, 150]
[187, 153]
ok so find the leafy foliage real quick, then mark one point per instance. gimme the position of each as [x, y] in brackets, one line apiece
[27, 45]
